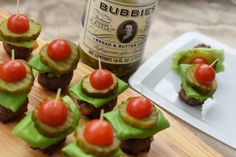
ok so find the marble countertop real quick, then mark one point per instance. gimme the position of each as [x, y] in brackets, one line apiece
[214, 18]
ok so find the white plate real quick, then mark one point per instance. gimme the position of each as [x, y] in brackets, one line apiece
[160, 83]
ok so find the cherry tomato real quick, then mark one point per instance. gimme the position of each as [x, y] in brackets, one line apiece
[53, 114]
[12, 71]
[199, 60]
[59, 50]
[205, 74]
[139, 107]
[98, 133]
[18, 23]
[101, 79]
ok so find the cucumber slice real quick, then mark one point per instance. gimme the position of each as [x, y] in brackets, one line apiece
[93, 149]
[192, 81]
[31, 34]
[146, 123]
[89, 90]
[61, 67]
[49, 131]
[21, 86]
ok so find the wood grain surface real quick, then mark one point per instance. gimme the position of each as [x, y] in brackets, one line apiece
[175, 141]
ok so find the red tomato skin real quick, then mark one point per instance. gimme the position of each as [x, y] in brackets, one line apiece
[199, 60]
[99, 134]
[205, 74]
[59, 50]
[12, 71]
[139, 107]
[51, 114]
[101, 79]
[18, 24]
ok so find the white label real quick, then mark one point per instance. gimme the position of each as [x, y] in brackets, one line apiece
[115, 32]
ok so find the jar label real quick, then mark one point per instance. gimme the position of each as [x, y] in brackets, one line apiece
[116, 32]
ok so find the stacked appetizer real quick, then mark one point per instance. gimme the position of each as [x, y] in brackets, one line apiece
[95, 139]
[135, 122]
[55, 63]
[197, 68]
[18, 33]
[97, 91]
[48, 125]
[16, 80]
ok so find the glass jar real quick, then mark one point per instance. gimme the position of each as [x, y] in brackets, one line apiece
[116, 32]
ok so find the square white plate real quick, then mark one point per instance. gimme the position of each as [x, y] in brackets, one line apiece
[161, 84]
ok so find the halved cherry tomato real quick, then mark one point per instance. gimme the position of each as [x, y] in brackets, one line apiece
[12, 71]
[53, 114]
[199, 60]
[139, 107]
[18, 23]
[101, 79]
[98, 133]
[59, 50]
[205, 74]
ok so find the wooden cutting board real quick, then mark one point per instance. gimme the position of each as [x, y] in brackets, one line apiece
[175, 141]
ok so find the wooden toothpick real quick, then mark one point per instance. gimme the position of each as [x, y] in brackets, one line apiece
[17, 6]
[58, 36]
[99, 63]
[101, 116]
[57, 96]
[214, 62]
[13, 54]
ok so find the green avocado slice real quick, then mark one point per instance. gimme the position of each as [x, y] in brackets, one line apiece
[26, 44]
[185, 56]
[124, 131]
[27, 131]
[61, 67]
[190, 92]
[76, 91]
[36, 64]
[31, 34]
[20, 86]
[12, 101]
[73, 150]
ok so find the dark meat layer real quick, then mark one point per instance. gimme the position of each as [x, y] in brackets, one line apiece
[53, 148]
[20, 52]
[136, 146]
[189, 101]
[7, 115]
[91, 112]
[202, 45]
[52, 83]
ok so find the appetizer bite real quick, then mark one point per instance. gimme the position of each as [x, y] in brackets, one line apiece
[55, 63]
[19, 33]
[16, 80]
[197, 68]
[200, 54]
[47, 127]
[95, 139]
[97, 91]
[135, 122]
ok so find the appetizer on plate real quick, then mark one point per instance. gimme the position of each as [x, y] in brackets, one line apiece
[197, 69]
[97, 91]
[95, 139]
[19, 33]
[16, 80]
[47, 127]
[55, 63]
[135, 122]
[199, 54]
